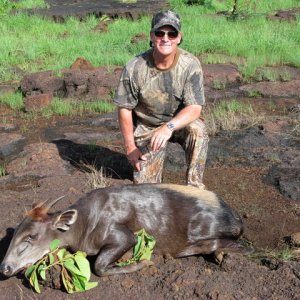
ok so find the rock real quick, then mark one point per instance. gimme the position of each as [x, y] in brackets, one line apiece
[76, 82]
[11, 144]
[274, 88]
[286, 15]
[223, 74]
[8, 87]
[102, 26]
[39, 160]
[140, 37]
[43, 83]
[37, 102]
[286, 175]
[82, 81]
[82, 64]
[295, 239]
[7, 127]
[60, 11]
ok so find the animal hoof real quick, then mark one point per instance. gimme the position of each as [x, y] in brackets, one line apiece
[219, 256]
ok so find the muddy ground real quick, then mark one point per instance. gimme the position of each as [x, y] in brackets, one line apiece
[256, 169]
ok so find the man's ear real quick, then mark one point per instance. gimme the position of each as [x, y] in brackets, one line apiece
[64, 220]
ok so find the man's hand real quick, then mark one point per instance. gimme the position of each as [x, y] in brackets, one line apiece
[160, 138]
[135, 156]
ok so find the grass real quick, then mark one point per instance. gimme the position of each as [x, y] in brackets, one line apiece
[34, 44]
[72, 108]
[2, 170]
[230, 115]
[95, 178]
[13, 100]
[283, 253]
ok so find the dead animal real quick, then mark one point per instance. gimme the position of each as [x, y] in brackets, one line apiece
[184, 221]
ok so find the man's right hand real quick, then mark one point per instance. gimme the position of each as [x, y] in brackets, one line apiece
[135, 156]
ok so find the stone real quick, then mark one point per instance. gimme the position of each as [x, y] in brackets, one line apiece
[295, 239]
[11, 144]
[82, 64]
[39, 160]
[37, 102]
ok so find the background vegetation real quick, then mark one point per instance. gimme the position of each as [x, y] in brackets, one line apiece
[237, 31]
[223, 30]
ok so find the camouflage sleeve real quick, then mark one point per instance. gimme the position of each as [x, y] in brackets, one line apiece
[126, 95]
[193, 91]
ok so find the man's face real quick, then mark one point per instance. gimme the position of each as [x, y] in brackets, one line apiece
[165, 40]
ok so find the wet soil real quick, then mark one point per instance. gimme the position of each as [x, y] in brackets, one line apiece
[269, 216]
[255, 169]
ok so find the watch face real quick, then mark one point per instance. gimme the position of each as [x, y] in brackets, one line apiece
[171, 126]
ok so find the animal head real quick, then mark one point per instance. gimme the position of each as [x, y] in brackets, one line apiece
[32, 237]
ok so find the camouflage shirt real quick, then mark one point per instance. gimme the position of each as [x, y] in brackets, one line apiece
[156, 95]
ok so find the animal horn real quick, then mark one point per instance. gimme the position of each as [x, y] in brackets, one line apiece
[48, 204]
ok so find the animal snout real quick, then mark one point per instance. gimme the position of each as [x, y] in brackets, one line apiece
[5, 270]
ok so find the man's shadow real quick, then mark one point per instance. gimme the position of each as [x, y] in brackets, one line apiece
[114, 164]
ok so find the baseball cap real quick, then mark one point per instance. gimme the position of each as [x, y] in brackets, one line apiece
[164, 18]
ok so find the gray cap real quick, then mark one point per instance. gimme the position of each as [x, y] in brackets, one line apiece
[165, 18]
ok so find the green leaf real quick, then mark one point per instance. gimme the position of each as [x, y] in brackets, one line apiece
[75, 270]
[54, 244]
[79, 284]
[69, 264]
[90, 285]
[29, 270]
[51, 258]
[42, 271]
[83, 265]
[138, 245]
[34, 282]
[61, 253]
[67, 284]
[142, 250]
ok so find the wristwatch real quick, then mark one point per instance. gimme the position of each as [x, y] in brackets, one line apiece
[171, 126]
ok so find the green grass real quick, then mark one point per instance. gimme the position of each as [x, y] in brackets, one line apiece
[13, 100]
[230, 115]
[34, 44]
[2, 170]
[72, 108]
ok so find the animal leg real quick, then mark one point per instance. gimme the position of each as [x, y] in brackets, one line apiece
[231, 246]
[201, 247]
[216, 246]
[117, 244]
[127, 269]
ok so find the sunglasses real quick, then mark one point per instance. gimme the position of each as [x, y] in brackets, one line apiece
[171, 34]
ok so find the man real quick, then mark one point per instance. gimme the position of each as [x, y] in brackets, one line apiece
[159, 98]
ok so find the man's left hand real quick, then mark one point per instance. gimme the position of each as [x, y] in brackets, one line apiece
[160, 138]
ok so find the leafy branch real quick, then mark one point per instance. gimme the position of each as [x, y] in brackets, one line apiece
[142, 250]
[75, 269]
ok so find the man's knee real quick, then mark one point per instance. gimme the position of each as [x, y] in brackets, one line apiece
[197, 128]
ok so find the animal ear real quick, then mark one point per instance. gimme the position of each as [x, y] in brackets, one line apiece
[65, 219]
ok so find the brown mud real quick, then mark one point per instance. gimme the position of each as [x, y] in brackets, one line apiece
[255, 169]
[238, 167]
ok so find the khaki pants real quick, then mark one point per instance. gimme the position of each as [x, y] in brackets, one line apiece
[194, 141]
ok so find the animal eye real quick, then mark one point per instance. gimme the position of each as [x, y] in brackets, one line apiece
[31, 238]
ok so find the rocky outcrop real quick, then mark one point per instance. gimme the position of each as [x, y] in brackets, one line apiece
[11, 144]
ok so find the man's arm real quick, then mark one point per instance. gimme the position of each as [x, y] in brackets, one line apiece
[134, 155]
[186, 116]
